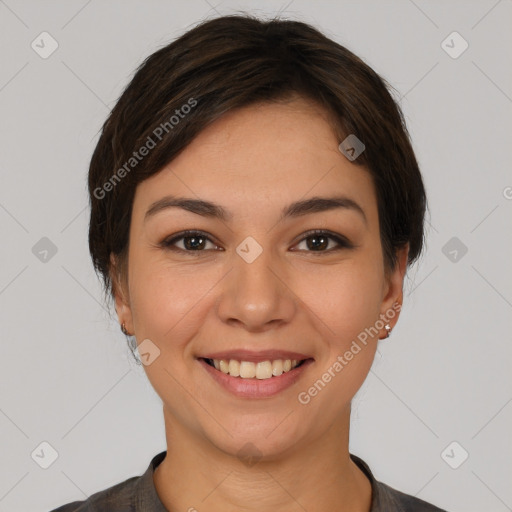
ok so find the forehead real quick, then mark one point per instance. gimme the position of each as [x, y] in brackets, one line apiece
[260, 156]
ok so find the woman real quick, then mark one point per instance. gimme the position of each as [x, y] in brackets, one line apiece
[255, 204]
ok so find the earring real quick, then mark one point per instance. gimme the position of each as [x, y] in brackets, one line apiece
[388, 331]
[132, 342]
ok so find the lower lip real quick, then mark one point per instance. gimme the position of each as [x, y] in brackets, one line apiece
[256, 388]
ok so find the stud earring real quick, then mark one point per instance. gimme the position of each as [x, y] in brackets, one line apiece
[123, 329]
[388, 331]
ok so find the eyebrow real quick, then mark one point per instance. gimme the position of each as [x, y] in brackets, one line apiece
[296, 209]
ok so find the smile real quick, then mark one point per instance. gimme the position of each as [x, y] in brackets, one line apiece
[262, 379]
[249, 370]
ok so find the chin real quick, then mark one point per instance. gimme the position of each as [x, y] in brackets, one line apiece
[262, 440]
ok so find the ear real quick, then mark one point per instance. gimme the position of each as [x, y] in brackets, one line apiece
[121, 295]
[392, 291]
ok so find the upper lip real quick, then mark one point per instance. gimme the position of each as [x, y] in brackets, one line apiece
[256, 356]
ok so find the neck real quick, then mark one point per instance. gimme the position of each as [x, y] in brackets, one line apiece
[196, 475]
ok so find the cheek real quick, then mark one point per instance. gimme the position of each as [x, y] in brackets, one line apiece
[345, 298]
[166, 300]
[168, 307]
[346, 304]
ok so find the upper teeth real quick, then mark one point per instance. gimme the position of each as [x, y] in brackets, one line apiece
[249, 370]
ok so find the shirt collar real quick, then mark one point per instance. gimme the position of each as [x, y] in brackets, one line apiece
[147, 497]
[149, 501]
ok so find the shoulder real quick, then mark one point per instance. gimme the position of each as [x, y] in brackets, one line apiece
[126, 496]
[397, 501]
[388, 499]
[116, 498]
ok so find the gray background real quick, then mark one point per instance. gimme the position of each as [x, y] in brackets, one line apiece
[66, 375]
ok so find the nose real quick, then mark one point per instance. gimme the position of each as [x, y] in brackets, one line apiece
[256, 295]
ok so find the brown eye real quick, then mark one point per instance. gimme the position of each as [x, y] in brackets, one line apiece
[188, 241]
[321, 241]
[318, 241]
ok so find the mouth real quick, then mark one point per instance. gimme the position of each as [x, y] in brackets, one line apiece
[261, 378]
[260, 370]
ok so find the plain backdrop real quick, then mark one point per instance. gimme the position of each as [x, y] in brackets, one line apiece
[440, 389]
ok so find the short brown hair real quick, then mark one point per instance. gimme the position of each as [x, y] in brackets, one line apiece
[230, 62]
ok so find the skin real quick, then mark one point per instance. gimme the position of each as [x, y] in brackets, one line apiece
[254, 162]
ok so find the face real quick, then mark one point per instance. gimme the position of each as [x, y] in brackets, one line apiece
[254, 281]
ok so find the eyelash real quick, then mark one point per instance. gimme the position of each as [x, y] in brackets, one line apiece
[342, 242]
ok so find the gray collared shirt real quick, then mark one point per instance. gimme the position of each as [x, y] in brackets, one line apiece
[138, 494]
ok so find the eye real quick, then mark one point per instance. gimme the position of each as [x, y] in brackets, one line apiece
[193, 241]
[196, 241]
[318, 240]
